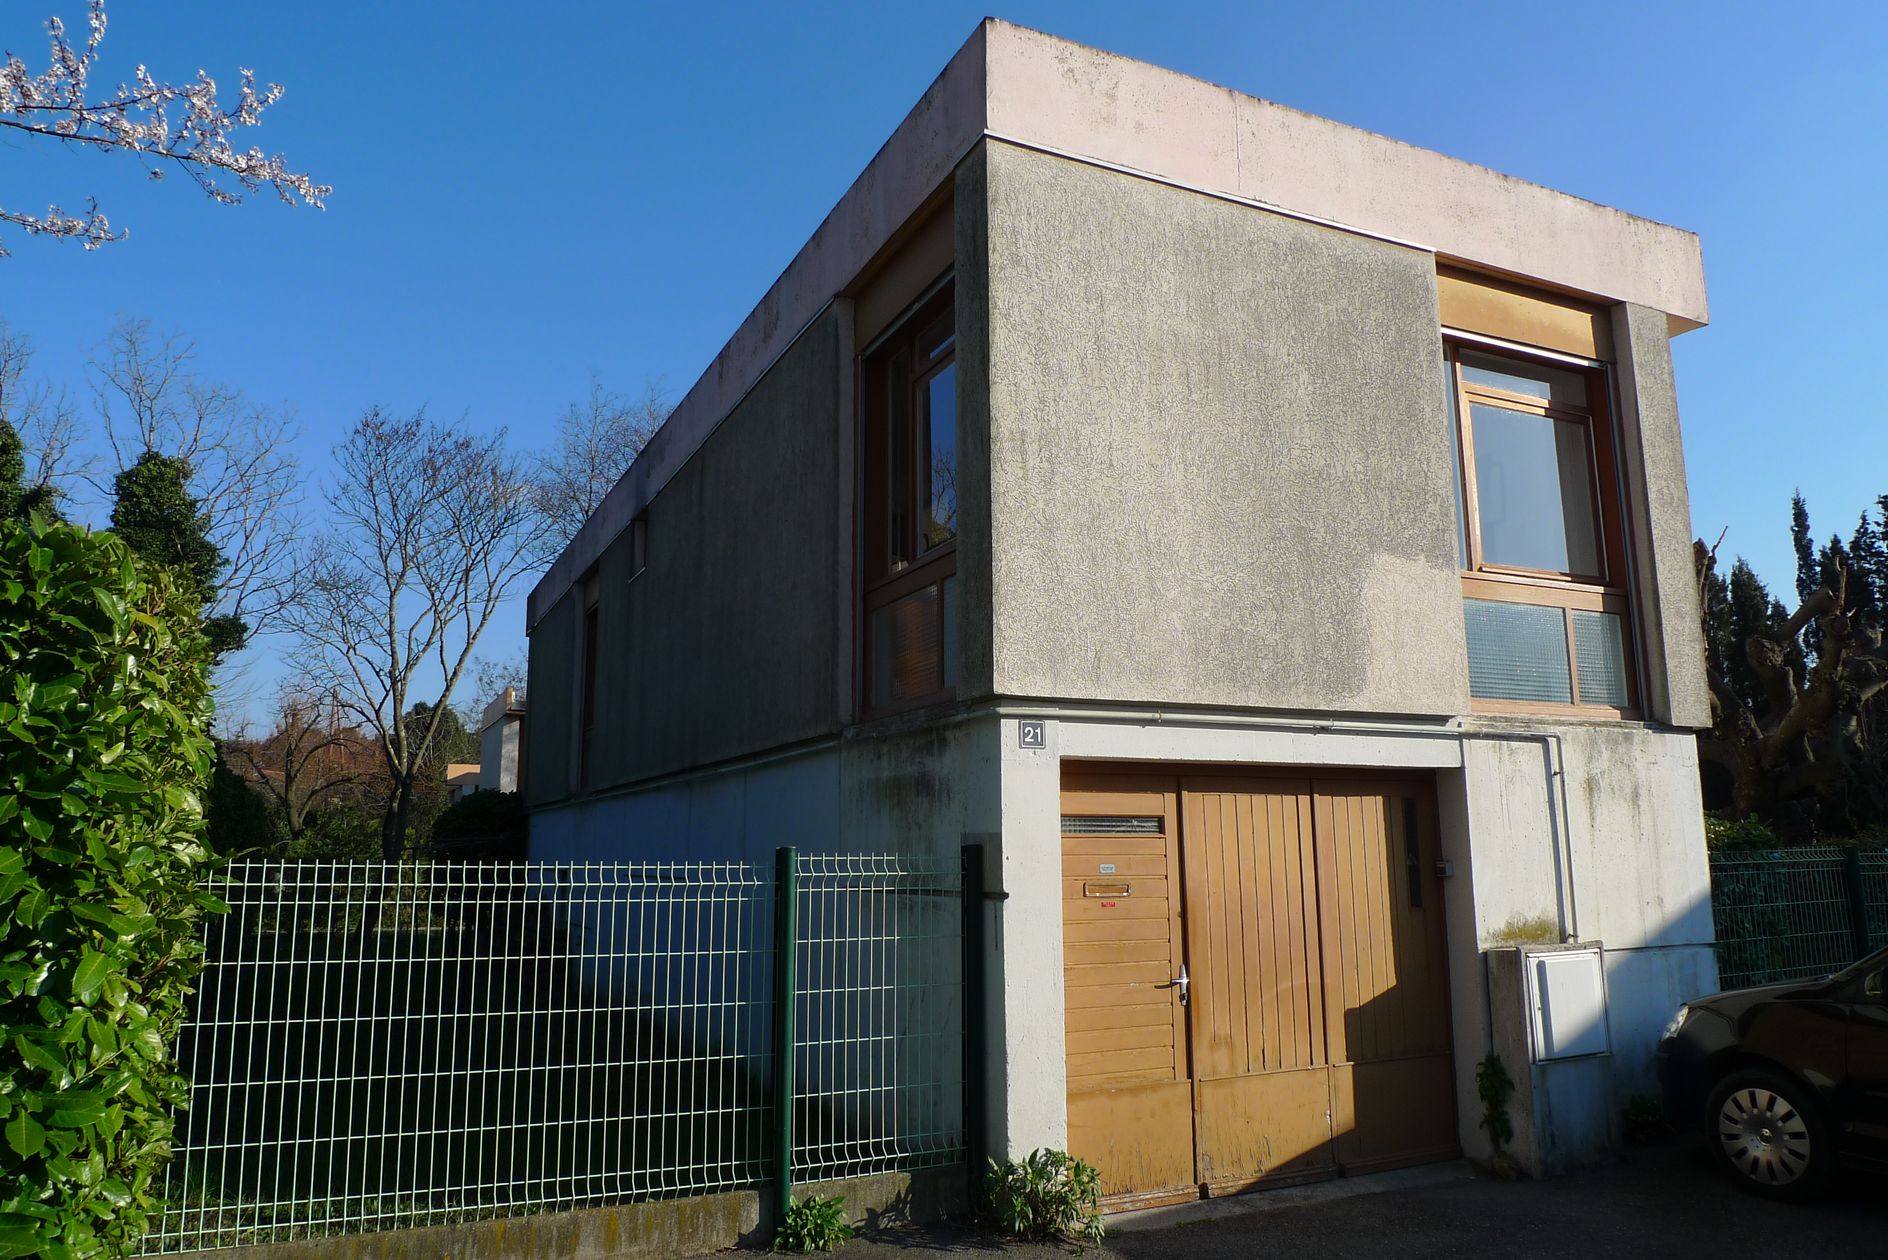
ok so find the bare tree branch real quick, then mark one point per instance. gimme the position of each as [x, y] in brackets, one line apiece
[244, 473]
[597, 440]
[430, 530]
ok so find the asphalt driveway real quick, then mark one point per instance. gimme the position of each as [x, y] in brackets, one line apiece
[1662, 1203]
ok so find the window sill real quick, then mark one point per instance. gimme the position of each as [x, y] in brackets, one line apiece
[1537, 708]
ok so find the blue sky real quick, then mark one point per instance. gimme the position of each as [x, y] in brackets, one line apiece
[528, 194]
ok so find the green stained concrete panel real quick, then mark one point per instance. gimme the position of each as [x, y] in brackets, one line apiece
[550, 721]
[1220, 457]
[727, 643]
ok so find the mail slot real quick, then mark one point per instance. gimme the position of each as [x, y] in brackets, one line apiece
[1092, 889]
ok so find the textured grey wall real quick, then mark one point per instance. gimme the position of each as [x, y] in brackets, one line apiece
[1221, 471]
[549, 722]
[727, 644]
[1660, 508]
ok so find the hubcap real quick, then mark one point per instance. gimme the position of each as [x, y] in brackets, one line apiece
[1764, 1136]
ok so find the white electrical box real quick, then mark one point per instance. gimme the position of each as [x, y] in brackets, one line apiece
[1567, 989]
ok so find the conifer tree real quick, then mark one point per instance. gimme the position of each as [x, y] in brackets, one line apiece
[156, 516]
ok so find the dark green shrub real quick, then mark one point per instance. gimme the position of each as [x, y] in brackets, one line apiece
[482, 826]
[1048, 1196]
[1737, 833]
[1643, 1121]
[104, 704]
[814, 1224]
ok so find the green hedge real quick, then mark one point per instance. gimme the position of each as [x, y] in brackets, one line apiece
[105, 757]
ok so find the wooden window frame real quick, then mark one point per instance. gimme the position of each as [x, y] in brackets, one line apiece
[1570, 592]
[885, 574]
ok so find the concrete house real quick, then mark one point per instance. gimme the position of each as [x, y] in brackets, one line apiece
[1268, 539]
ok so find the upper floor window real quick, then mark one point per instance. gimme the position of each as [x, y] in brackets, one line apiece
[908, 510]
[1539, 534]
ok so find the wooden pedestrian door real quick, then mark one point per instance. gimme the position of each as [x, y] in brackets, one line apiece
[1256, 982]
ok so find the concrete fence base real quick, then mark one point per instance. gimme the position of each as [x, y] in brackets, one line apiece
[634, 1231]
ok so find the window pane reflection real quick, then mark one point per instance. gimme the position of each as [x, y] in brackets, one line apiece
[1534, 485]
[940, 407]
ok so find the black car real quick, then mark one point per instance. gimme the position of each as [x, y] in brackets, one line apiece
[1786, 1081]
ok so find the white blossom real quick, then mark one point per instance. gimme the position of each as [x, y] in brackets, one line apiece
[163, 123]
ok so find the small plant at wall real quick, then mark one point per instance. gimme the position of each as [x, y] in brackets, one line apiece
[1643, 1122]
[813, 1224]
[1496, 1088]
[1048, 1196]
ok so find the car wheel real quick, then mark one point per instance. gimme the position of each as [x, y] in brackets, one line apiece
[1769, 1133]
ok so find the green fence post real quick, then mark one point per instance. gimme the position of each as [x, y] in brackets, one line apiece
[976, 1042]
[786, 994]
[1858, 902]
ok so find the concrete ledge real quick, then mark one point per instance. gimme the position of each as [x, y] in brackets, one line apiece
[634, 1231]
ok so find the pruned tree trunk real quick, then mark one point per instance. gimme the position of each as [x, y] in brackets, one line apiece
[1796, 745]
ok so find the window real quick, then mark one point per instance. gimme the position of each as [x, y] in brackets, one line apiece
[639, 544]
[908, 509]
[1539, 534]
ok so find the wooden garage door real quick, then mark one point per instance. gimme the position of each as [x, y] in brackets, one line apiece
[1130, 1092]
[1317, 1031]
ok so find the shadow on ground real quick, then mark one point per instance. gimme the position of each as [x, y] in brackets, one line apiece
[1662, 1203]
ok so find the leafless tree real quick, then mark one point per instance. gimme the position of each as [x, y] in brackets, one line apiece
[1804, 736]
[44, 418]
[597, 440]
[430, 529]
[244, 473]
[313, 756]
[490, 677]
[165, 126]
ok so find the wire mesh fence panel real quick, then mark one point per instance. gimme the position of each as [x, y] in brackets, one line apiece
[1781, 915]
[376, 1046]
[1875, 896]
[879, 1026]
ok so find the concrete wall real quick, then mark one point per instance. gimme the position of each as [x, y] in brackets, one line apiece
[1587, 831]
[499, 747]
[919, 790]
[1659, 508]
[1220, 466]
[551, 684]
[728, 642]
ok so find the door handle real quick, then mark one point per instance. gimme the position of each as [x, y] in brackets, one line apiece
[1182, 983]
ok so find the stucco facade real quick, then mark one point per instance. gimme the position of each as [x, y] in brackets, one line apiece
[1205, 522]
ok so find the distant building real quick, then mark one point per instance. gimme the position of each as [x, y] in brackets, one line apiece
[501, 741]
[462, 779]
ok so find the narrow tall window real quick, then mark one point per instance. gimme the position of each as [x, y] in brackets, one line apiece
[908, 511]
[1541, 538]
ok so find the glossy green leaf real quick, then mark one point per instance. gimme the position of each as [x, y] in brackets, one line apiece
[24, 1134]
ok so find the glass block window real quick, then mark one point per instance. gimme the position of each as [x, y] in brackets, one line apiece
[1517, 652]
[1599, 645]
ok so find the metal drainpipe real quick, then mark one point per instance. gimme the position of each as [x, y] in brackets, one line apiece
[1554, 768]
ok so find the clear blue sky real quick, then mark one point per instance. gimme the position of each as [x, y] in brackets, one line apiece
[525, 194]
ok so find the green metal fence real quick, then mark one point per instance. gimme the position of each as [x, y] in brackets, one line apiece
[382, 1046]
[1795, 914]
